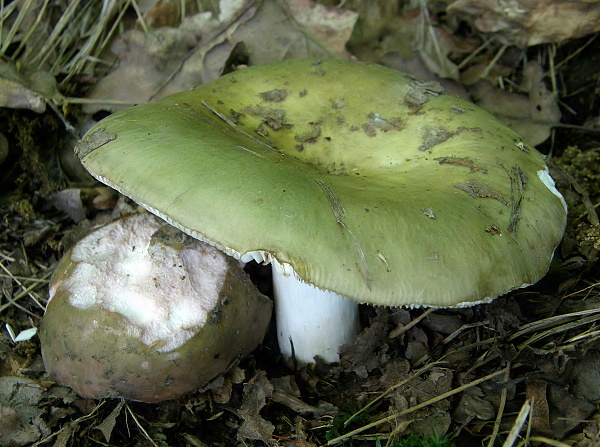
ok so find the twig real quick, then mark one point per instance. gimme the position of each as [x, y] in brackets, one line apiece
[518, 425]
[392, 388]
[551, 321]
[25, 292]
[492, 63]
[576, 52]
[473, 54]
[140, 16]
[548, 441]
[414, 322]
[293, 441]
[144, 432]
[24, 278]
[416, 407]
[503, 396]
[558, 329]
[75, 422]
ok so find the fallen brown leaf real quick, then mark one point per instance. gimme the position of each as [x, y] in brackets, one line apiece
[531, 22]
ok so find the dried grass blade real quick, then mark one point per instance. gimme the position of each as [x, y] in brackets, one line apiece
[27, 292]
[558, 329]
[551, 321]
[33, 28]
[16, 25]
[392, 388]
[500, 413]
[142, 429]
[95, 33]
[416, 407]
[548, 441]
[518, 425]
[54, 38]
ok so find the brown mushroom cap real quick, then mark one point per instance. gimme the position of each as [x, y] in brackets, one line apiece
[163, 319]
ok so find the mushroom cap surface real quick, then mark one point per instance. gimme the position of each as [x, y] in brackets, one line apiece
[363, 180]
[165, 317]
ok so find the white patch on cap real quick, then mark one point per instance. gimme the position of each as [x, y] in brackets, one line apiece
[544, 176]
[165, 293]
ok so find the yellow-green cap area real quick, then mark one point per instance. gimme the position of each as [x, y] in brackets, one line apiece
[366, 181]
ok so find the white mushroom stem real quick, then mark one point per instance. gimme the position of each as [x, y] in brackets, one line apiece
[311, 321]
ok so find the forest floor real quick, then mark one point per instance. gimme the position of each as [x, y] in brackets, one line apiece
[521, 370]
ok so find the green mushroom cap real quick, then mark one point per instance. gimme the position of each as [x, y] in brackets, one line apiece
[365, 181]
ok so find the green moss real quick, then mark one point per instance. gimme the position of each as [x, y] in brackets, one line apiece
[337, 425]
[338, 429]
[421, 441]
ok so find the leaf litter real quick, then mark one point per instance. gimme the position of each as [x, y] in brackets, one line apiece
[521, 369]
[168, 60]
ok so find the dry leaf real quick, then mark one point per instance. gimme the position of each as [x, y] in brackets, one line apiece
[429, 420]
[362, 355]
[287, 392]
[589, 435]
[568, 410]
[329, 27]
[169, 60]
[26, 91]
[20, 412]
[442, 324]
[585, 377]
[473, 404]
[166, 12]
[256, 392]
[530, 22]
[108, 424]
[530, 116]
[69, 202]
[413, 42]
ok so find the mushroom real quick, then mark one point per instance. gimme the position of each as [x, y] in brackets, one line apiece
[358, 183]
[141, 311]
